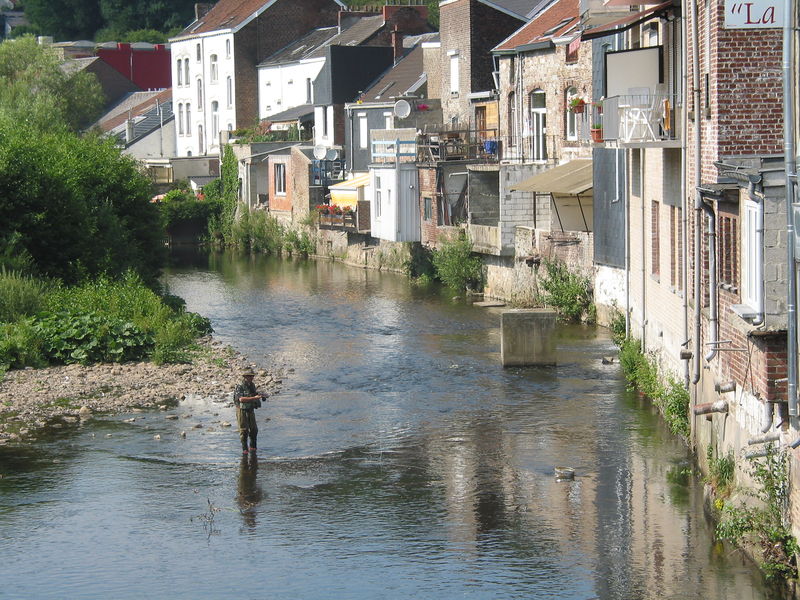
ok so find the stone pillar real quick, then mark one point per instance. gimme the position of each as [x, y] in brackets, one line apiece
[527, 337]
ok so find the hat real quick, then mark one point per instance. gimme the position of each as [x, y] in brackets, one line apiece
[248, 372]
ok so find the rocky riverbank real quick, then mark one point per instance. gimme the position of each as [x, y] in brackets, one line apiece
[32, 399]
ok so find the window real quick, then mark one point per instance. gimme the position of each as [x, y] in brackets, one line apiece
[180, 71]
[538, 125]
[309, 91]
[428, 209]
[571, 123]
[201, 142]
[363, 131]
[280, 178]
[227, 48]
[655, 247]
[198, 52]
[180, 119]
[728, 244]
[324, 121]
[676, 247]
[573, 48]
[454, 73]
[388, 120]
[751, 269]
[229, 91]
[186, 72]
[230, 126]
[199, 94]
[512, 119]
[377, 196]
[214, 69]
[215, 119]
[188, 119]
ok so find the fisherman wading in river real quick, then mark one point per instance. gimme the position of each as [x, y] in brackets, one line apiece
[247, 399]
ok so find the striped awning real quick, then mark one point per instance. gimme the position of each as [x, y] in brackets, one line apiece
[346, 193]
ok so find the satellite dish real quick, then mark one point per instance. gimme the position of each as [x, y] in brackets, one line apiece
[320, 152]
[332, 154]
[402, 109]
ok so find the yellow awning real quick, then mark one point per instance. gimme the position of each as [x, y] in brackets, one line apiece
[346, 193]
[574, 177]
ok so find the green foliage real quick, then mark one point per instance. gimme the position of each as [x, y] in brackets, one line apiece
[301, 243]
[763, 524]
[81, 19]
[258, 232]
[618, 327]
[35, 90]
[456, 266]
[20, 295]
[569, 293]
[104, 320]
[720, 473]
[150, 36]
[226, 191]
[642, 374]
[181, 209]
[420, 263]
[76, 206]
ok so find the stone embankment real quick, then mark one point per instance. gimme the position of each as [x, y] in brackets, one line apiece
[32, 399]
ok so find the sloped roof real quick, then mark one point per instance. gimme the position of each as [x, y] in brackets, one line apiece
[397, 80]
[515, 8]
[302, 48]
[304, 112]
[355, 35]
[145, 123]
[556, 19]
[230, 14]
[146, 102]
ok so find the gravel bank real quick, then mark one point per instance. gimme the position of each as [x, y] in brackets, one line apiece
[31, 399]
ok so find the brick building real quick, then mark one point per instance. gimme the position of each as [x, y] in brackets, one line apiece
[215, 58]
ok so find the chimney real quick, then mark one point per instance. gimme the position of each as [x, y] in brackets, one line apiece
[129, 130]
[397, 43]
[201, 9]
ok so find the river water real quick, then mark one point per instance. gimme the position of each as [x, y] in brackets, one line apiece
[399, 460]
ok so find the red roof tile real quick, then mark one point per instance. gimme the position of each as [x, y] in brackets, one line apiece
[565, 11]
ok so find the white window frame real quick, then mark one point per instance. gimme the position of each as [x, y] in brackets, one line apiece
[214, 68]
[538, 127]
[188, 118]
[363, 131]
[377, 197]
[180, 72]
[186, 81]
[180, 119]
[227, 48]
[280, 178]
[215, 120]
[199, 93]
[455, 75]
[229, 91]
[571, 118]
[388, 120]
[751, 280]
[201, 142]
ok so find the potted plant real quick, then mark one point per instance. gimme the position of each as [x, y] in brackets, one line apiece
[596, 132]
[577, 105]
[322, 209]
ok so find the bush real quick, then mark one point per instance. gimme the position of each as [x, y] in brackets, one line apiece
[569, 293]
[21, 346]
[20, 295]
[456, 266]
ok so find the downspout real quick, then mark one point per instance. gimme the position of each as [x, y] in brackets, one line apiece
[684, 199]
[643, 255]
[713, 320]
[698, 200]
[791, 174]
[759, 259]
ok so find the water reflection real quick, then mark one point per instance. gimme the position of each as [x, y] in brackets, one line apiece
[399, 460]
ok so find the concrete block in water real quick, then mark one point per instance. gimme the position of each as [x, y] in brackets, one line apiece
[527, 337]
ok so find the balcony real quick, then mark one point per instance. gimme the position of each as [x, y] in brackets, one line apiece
[355, 220]
[643, 118]
[599, 12]
[485, 239]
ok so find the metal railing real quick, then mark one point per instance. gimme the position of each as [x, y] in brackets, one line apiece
[638, 118]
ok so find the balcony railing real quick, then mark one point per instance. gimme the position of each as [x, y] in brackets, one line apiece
[356, 220]
[459, 144]
[644, 118]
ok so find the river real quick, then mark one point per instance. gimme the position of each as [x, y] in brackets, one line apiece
[399, 460]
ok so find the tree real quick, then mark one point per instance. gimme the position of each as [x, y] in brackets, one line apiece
[65, 19]
[36, 89]
[75, 205]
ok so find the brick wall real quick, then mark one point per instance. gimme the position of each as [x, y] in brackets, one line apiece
[280, 24]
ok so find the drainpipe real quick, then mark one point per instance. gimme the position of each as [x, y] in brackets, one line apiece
[684, 199]
[698, 200]
[644, 261]
[791, 173]
[759, 259]
[713, 319]
[627, 230]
